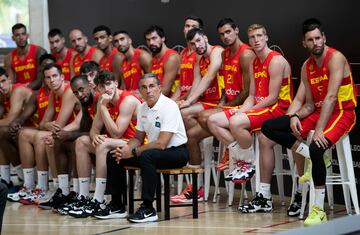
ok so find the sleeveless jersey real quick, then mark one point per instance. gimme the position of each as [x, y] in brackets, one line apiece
[78, 60]
[158, 64]
[187, 65]
[65, 64]
[106, 63]
[42, 99]
[115, 112]
[318, 78]
[25, 69]
[213, 93]
[132, 71]
[58, 103]
[262, 81]
[6, 100]
[92, 107]
[233, 75]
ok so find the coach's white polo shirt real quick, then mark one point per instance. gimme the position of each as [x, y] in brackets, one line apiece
[163, 116]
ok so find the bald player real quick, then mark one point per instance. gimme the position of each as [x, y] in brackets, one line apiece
[85, 52]
[22, 63]
[59, 50]
[165, 62]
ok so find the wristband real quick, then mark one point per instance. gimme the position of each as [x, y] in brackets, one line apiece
[133, 151]
[294, 115]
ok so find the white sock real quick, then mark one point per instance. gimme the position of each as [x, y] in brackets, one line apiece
[303, 150]
[264, 189]
[43, 180]
[319, 197]
[76, 186]
[192, 165]
[84, 184]
[55, 182]
[64, 183]
[234, 149]
[5, 173]
[19, 171]
[299, 188]
[29, 179]
[247, 155]
[100, 187]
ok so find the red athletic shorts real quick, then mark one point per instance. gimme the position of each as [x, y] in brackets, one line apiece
[259, 116]
[340, 122]
[208, 105]
[230, 111]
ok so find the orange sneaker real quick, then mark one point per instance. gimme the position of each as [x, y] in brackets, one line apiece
[224, 163]
[187, 190]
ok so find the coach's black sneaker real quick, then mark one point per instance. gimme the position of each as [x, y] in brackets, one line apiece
[295, 207]
[258, 204]
[111, 211]
[143, 214]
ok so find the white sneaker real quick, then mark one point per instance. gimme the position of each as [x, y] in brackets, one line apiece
[15, 197]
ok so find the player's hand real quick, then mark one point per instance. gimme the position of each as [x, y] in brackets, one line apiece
[105, 99]
[184, 104]
[52, 126]
[320, 140]
[296, 126]
[122, 152]
[49, 140]
[14, 129]
[98, 139]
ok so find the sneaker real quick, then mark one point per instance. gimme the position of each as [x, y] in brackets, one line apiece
[87, 210]
[246, 172]
[188, 197]
[56, 200]
[316, 216]
[224, 163]
[110, 211]
[15, 197]
[186, 190]
[295, 207]
[73, 204]
[236, 171]
[307, 174]
[258, 204]
[32, 198]
[143, 214]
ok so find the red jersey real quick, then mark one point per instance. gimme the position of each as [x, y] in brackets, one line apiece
[213, 93]
[92, 107]
[233, 75]
[42, 104]
[65, 64]
[106, 63]
[6, 100]
[157, 66]
[187, 65]
[318, 78]
[115, 112]
[78, 60]
[132, 71]
[58, 103]
[262, 81]
[25, 69]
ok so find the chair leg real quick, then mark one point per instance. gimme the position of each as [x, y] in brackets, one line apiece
[167, 196]
[131, 191]
[278, 172]
[158, 193]
[195, 196]
[180, 179]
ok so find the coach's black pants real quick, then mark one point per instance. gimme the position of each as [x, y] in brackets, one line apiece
[149, 161]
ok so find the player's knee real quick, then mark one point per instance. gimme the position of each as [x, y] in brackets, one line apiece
[82, 143]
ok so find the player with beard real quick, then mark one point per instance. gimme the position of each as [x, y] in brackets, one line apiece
[64, 142]
[22, 64]
[112, 59]
[136, 61]
[116, 111]
[59, 50]
[85, 52]
[165, 62]
[188, 60]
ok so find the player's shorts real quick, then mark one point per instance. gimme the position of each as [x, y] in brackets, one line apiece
[259, 116]
[230, 111]
[340, 122]
[208, 105]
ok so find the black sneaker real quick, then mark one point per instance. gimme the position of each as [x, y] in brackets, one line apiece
[87, 210]
[55, 201]
[143, 214]
[70, 199]
[74, 203]
[110, 211]
[295, 207]
[258, 204]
